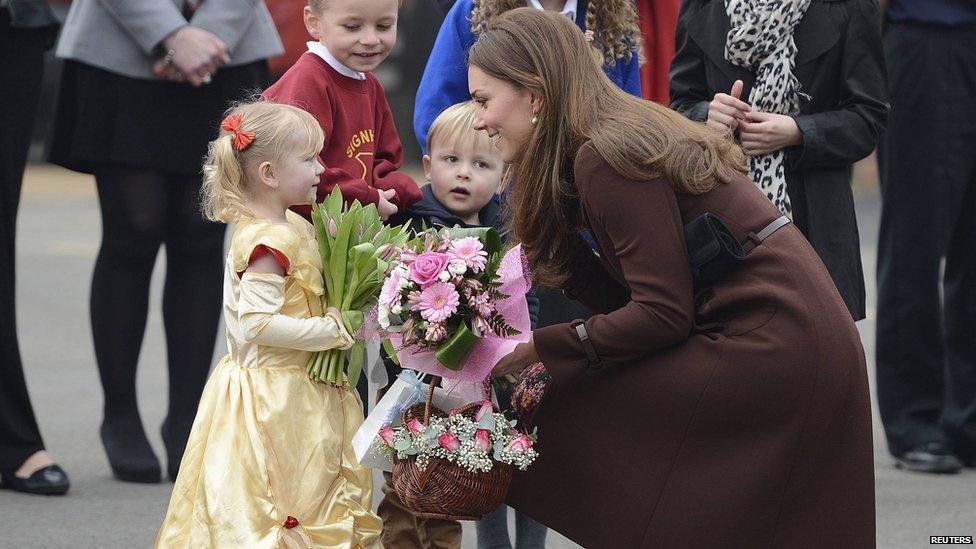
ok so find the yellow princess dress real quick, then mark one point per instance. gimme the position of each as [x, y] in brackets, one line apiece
[269, 461]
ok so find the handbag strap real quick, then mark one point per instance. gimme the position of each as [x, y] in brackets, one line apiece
[756, 239]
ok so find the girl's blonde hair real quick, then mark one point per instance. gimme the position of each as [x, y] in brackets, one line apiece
[546, 55]
[455, 125]
[616, 34]
[278, 130]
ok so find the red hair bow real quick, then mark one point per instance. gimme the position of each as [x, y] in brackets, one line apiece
[242, 139]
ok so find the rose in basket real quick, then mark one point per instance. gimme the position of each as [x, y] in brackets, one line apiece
[452, 304]
[475, 444]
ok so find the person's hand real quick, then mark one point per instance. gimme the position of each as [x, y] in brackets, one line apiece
[765, 133]
[726, 110]
[384, 206]
[516, 361]
[197, 54]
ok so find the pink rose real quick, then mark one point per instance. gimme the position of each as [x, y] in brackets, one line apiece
[414, 426]
[484, 410]
[427, 267]
[482, 440]
[449, 442]
[387, 435]
[522, 443]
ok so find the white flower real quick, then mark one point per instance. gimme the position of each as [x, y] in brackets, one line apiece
[396, 309]
[383, 316]
[444, 276]
[403, 282]
[457, 266]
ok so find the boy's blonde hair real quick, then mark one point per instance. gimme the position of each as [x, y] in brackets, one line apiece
[278, 129]
[455, 125]
[318, 6]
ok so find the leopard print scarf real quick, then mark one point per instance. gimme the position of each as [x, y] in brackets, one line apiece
[761, 40]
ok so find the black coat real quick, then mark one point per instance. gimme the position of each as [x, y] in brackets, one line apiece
[840, 64]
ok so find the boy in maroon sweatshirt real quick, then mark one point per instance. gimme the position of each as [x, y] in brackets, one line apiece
[333, 81]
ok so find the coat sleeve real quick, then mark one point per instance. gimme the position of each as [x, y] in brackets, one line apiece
[228, 19]
[840, 137]
[147, 22]
[388, 158]
[647, 236]
[445, 79]
[689, 87]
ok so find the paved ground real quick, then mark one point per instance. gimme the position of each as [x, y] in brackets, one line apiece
[59, 232]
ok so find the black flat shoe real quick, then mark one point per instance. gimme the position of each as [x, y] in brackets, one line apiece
[47, 481]
[129, 453]
[932, 457]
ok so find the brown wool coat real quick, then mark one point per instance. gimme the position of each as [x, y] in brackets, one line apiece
[755, 435]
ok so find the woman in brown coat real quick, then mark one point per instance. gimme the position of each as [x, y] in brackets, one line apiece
[737, 416]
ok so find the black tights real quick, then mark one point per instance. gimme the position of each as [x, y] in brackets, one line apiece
[141, 210]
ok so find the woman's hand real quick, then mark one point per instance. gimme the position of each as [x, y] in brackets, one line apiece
[514, 362]
[197, 53]
[765, 133]
[726, 109]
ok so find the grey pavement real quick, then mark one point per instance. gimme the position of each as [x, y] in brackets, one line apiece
[58, 239]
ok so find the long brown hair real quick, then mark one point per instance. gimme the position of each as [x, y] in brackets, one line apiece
[547, 55]
[616, 34]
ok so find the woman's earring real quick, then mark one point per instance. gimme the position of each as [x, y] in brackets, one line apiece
[535, 119]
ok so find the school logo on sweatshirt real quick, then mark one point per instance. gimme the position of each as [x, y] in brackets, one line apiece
[360, 140]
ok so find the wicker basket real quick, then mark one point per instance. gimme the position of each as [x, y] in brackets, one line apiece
[445, 490]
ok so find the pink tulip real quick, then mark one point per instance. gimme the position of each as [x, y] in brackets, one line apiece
[484, 410]
[333, 229]
[449, 442]
[482, 440]
[387, 435]
[522, 443]
[414, 426]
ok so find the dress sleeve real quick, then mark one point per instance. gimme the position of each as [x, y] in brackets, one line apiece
[260, 238]
[228, 19]
[643, 223]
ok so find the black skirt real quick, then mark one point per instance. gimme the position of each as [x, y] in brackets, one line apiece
[106, 118]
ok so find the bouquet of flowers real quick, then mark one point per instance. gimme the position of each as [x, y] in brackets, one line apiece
[475, 444]
[449, 292]
[355, 248]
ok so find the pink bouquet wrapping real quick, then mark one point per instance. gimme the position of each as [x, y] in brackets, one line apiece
[454, 309]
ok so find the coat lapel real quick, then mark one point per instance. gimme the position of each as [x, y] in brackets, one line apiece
[815, 35]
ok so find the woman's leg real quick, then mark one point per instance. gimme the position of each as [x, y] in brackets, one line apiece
[192, 298]
[493, 530]
[133, 206]
[529, 534]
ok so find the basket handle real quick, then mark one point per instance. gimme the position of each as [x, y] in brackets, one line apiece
[434, 380]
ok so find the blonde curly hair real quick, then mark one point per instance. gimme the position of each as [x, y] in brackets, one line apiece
[613, 22]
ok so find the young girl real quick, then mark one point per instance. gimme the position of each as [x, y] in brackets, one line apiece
[610, 24]
[269, 462]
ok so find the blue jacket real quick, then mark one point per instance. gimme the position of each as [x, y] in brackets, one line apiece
[445, 80]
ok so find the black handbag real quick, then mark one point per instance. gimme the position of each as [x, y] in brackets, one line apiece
[713, 249]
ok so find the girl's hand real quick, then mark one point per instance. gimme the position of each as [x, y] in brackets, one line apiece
[516, 361]
[765, 133]
[726, 109]
[384, 206]
[197, 53]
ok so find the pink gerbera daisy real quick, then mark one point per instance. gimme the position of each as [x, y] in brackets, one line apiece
[472, 251]
[438, 302]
